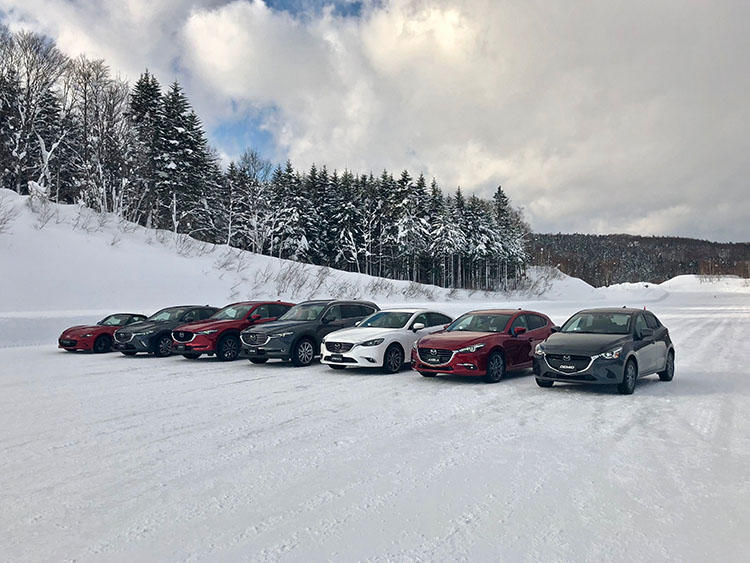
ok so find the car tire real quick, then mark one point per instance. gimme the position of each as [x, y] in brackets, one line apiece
[495, 367]
[128, 353]
[191, 356]
[332, 366]
[303, 352]
[102, 344]
[163, 346]
[393, 359]
[629, 377]
[258, 360]
[228, 348]
[427, 374]
[544, 383]
[668, 373]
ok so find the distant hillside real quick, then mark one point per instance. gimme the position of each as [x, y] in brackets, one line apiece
[607, 259]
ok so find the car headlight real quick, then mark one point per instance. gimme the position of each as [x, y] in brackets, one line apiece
[414, 346]
[472, 348]
[611, 354]
[280, 334]
[87, 335]
[211, 331]
[539, 350]
[373, 342]
[143, 333]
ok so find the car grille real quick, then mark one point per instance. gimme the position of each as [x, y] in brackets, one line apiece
[339, 346]
[435, 356]
[123, 336]
[254, 339]
[67, 342]
[183, 335]
[568, 363]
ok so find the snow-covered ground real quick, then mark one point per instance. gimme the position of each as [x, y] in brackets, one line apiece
[108, 457]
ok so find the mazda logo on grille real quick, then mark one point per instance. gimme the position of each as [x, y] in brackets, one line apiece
[182, 335]
[566, 358]
[433, 352]
[336, 346]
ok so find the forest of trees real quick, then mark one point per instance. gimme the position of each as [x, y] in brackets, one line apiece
[607, 259]
[71, 132]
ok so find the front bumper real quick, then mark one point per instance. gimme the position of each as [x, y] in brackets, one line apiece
[465, 363]
[136, 344]
[200, 344]
[599, 371]
[358, 356]
[85, 344]
[273, 348]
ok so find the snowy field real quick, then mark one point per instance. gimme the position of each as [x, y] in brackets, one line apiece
[115, 458]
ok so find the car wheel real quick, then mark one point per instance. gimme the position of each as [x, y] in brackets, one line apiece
[191, 356]
[228, 348]
[495, 367]
[103, 343]
[258, 360]
[128, 353]
[163, 346]
[427, 374]
[304, 352]
[628, 379]
[393, 359]
[544, 382]
[332, 366]
[668, 372]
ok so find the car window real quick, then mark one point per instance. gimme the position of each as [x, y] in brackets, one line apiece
[421, 319]
[277, 309]
[351, 311]
[535, 321]
[333, 313]
[264, 311]
[436, 319]
[207, 313]
[520, 320]
[366, 310]
[136, 319]
[190, 316]
[640, 324]
[651, 321]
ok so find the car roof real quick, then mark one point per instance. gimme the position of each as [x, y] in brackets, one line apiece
[502, 311]
[331, 301]
[406, 310]
[261, 302]
[628, 310]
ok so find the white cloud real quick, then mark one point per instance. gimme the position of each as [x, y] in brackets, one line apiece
[618, 116]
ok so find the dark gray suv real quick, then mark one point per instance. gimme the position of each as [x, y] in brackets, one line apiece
[297, 334]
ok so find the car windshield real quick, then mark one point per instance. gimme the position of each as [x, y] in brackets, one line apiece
[114, 320]
[386, 319]
[166, 315]
[479, 322]
[232, 313]
[304, 312]
[598, 323]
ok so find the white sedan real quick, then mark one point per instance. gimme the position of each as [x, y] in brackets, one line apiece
[381, 340]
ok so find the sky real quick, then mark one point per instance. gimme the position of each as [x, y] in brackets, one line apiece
[619, 116]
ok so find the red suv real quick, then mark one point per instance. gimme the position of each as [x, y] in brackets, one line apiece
[487, 343]
[220, 334]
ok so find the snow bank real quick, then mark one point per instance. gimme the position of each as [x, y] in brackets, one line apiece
[708, 284]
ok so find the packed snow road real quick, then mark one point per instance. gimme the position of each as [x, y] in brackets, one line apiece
[107, 457]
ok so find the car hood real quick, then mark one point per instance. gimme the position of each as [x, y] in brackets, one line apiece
[356, 334]
[453, 340]
[78, 330]
[582, 343]
[210, 324]
[277, 326]
[145, 326]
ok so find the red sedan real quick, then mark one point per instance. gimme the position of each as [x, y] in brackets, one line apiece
[96, 338]
[220, 334]
[482, 343]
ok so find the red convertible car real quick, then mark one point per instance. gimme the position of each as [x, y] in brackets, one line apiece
[482, 343]
[96, 338]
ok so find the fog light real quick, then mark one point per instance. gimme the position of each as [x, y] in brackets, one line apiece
[468, 366]
[371, 360]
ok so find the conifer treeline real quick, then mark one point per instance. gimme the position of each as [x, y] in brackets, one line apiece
[73, 133]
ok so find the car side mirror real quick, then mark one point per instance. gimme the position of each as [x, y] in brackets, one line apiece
[417, 326]
[326, 320]
[255, 317]
[357, 323]
[519, 330]
[445, 327]
[555, 329]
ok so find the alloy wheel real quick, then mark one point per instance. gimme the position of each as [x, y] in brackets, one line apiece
[305, 352]
[495, 368]
[393, 360]
[229, 349]
[165, 346]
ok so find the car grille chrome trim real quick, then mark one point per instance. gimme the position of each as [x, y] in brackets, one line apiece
[444, 356]
[337, 347]
[123, 337]
[254, 339]
[553, 368]
[183, 336]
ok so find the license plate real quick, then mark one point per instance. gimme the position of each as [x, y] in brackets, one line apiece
[180, 347]
[337, 358]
